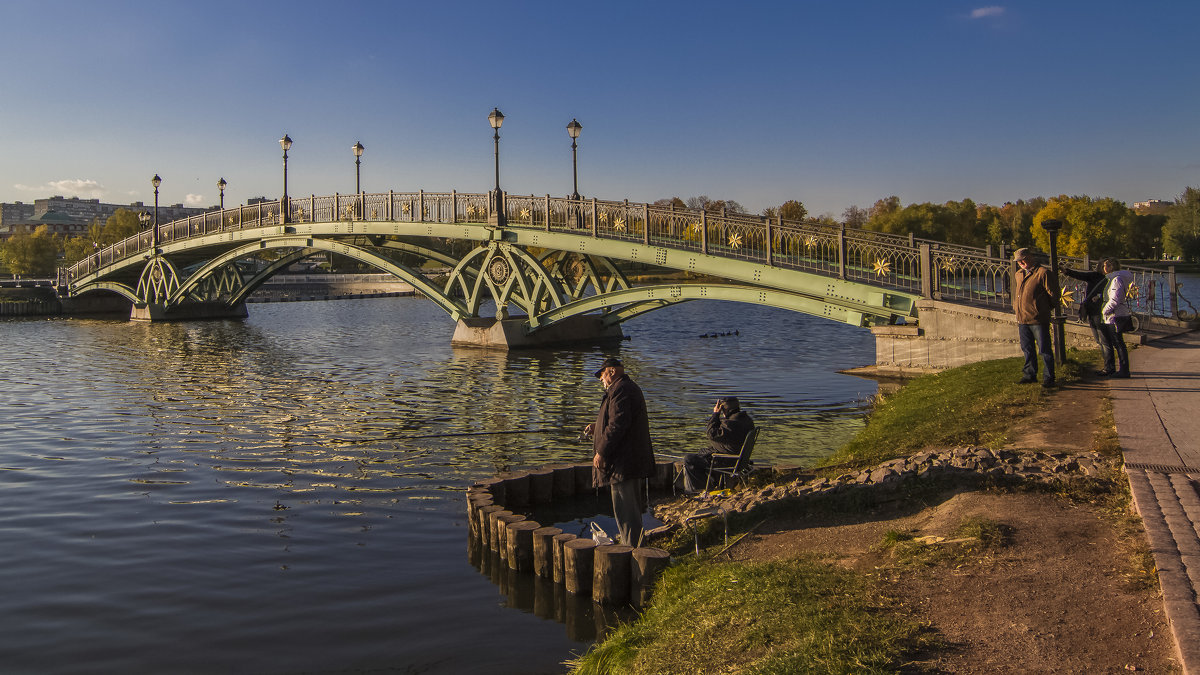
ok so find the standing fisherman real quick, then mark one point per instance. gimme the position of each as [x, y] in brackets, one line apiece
[624, 456]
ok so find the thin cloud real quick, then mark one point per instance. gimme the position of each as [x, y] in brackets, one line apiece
[194, 200]
[985, 12]
[71, 187]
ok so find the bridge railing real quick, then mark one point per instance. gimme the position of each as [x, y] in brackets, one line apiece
[928, 268]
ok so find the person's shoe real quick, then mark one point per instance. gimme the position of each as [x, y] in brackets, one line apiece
[1046, 384]
[1103, 373]
[1026, 380]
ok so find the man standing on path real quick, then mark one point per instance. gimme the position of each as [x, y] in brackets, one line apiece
[624, 456]
[1034, 296]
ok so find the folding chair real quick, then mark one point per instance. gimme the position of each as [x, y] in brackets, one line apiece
[728, 466]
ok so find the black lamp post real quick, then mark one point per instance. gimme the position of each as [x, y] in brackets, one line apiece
[573, 130]
[284, 204]
[221, 186]
[358, 151]
[496, 218]
[156, 181]
[1052, 227]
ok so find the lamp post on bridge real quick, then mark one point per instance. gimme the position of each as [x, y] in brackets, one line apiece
[1052, 227]
[358, 148]
[284, 204]
[221, 186]
[156, 181]
[496, 216]
[358, 151]
[573, 130]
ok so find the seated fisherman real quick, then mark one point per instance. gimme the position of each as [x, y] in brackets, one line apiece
[727, 430]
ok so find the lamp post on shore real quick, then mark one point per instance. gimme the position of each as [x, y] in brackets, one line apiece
[496, 218]
[573, 130]
[221, 186]
[1052, 227]
[156, 181]
[284, 204]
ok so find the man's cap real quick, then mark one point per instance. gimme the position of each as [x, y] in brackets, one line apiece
[610, 362]
[1022, 254]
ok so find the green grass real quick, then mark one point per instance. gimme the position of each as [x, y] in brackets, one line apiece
[975, 404]
[795, 616]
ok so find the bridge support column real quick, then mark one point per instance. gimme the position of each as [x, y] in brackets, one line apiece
[191, 311]
[510, 333]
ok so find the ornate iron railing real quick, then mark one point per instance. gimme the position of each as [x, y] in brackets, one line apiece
[929, 268]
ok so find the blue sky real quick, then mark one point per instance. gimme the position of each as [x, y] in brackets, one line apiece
[833, 103]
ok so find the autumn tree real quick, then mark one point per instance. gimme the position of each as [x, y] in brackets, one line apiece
[1181, 233]
[121, 224]
[703, 203]
[31, 254]
[1011, 224]
[1090, 227]
[953, 222]
[855, 217]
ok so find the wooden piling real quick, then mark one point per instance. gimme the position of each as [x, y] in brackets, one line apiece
[489, 525]
[481, 519]
[520, 544]
[494, 486]
[664, 475]
[541, 486]
[610, 574]
[559, 540]
[647, 564]
[583, 479]
[501, 533]
[475, 504]
[564, 482]
[516, 491]
[577, 566]
[543, 551]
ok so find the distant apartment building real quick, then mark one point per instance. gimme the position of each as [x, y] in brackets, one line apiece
[72, 216]
[1152, 207]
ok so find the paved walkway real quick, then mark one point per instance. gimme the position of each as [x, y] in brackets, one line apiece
[1157, 413]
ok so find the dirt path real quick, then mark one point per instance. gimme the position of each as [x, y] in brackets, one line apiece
[1064, 594]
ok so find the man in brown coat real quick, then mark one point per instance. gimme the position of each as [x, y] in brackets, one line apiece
[624, 456]
[1034, 295]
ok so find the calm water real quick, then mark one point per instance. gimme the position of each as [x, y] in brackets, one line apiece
[280, 495]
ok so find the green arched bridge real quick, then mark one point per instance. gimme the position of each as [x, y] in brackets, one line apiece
[544, 261]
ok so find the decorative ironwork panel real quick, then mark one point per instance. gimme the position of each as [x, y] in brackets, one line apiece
[971, 278]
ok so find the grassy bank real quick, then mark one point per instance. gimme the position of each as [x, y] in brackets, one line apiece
[971, 405]
[808, 615]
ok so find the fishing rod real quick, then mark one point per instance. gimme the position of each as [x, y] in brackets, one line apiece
[451, 434]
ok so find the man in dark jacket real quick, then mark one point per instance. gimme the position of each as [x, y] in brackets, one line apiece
[1034, 295]
[1095, 283]
[727, 430]
[624, 457]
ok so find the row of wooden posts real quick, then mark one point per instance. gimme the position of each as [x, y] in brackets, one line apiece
[612, 574]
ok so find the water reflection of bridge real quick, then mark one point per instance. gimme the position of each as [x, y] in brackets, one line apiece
[557, 269]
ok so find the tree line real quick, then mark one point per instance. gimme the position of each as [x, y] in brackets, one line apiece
[1092, 226]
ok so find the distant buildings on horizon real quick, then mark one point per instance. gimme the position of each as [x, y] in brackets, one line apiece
[72, 216]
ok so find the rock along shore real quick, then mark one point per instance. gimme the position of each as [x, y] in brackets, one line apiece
[965, 463]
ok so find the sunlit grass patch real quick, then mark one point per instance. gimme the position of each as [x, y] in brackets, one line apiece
[771, 617]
